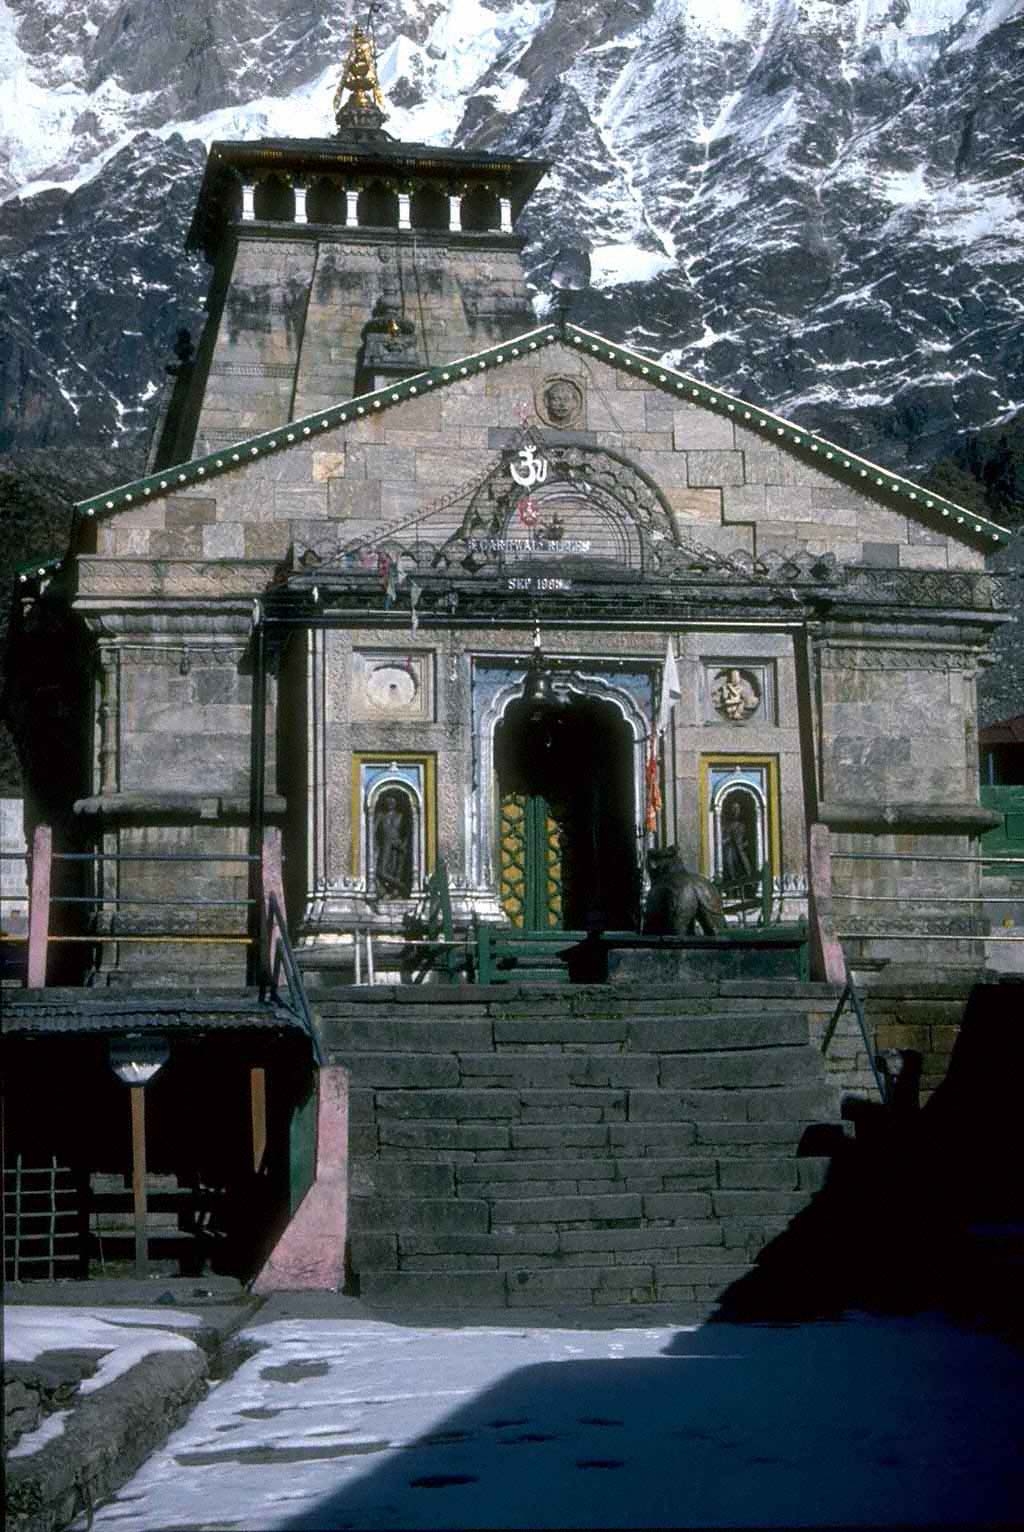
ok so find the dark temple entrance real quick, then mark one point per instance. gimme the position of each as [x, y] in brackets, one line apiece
[567, 836]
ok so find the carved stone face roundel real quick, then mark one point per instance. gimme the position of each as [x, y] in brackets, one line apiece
[735, 695]
[389, 687]
[560, 402]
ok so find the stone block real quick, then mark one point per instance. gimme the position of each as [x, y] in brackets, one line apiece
[801, 1103]
[700, 1035]
[493, 1243]
[651, 1137]
[744, 502]
[687, 1106]
[374, 1034]
[309, 504]
[347, 498]
[570, 1136]
[456, 1104]
[410, 1289]
[557, 1029]
[696, 429]
[688, 1206]
[922, 557]
[813, 1173]
[567, 1209]
[420, 1071]
[496, 1173]
[374, 1177]
[427, 1263]
[748, 1068]
[603, 1070]
[788, 502]
[377, 1252]
[590, 1105]
[189, 511]
[759, 1174]
[224, 540]
[755, 1204]
[696, 1272]
[268, 542]
[445, 1215]
[694, 507]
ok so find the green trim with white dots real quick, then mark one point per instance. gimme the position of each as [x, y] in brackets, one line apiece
[948, 516]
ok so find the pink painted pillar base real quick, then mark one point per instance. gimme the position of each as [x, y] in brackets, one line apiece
[310, 1255]
[828, 961]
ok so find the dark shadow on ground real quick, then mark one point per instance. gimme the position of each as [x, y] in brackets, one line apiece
[921, 1209]
[872, 1422]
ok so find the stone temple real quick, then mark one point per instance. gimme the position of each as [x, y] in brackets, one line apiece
[350, 730]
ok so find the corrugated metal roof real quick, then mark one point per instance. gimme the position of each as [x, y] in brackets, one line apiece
[73, 1012]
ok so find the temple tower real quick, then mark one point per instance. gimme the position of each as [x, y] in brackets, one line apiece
[342, 262]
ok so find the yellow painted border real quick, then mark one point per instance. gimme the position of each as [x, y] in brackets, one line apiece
[730, 762]
[361, 758]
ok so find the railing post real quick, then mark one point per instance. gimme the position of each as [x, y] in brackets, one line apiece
[271, 882]
[39, 905]
[828, 961]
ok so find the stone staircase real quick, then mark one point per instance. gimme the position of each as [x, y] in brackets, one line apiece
[516, 1148]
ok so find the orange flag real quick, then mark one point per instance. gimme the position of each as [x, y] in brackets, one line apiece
[653, 788]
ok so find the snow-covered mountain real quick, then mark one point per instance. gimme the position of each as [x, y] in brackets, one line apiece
[817, 202]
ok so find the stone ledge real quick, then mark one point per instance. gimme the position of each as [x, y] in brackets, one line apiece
[108, 1436]
[935, 818]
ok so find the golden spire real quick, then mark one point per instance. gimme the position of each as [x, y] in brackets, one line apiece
[360, 79]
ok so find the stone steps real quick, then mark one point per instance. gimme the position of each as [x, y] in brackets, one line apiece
[580, 1149]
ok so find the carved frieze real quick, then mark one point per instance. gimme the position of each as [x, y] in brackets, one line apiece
[864, 657]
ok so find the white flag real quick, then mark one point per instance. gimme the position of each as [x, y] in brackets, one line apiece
[670, 688]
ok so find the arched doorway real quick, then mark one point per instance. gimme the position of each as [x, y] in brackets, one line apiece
[566, 815]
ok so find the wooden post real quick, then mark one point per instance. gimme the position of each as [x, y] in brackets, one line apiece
[138, 1093]
[258, 1104]
[39, 905]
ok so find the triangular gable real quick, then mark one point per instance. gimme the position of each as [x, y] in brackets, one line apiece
[847, 467]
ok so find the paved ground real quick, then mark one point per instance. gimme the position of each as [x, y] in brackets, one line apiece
[342, 1421]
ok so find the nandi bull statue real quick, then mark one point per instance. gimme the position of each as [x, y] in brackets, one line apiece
[679, 901]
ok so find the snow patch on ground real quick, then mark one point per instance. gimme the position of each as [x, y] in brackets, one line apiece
[125, 1335]
[367, 1424]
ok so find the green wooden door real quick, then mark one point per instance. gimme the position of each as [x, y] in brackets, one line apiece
[530, 853]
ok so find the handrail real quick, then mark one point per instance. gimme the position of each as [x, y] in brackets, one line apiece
[277, 955]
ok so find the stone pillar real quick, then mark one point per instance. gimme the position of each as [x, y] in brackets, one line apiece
[248, 201]
[506, 214]
[107, 717]
[404, 220]
[455, 212]
[300, 205]
[352, 208]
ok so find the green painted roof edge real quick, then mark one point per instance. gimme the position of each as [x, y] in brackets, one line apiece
[37, 568]
[777, 430]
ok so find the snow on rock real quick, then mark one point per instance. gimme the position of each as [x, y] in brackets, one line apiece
[121, 1337]
[741, 170]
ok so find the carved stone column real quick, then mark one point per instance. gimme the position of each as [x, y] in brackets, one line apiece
[248, 201]
[455, 212]
[506, 214]
[352, 207]
[404, 219]
[108, 715]
[300, 204]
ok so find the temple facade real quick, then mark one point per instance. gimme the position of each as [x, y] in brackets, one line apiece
[415, 581]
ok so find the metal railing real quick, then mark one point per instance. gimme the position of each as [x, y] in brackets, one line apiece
[279, 958]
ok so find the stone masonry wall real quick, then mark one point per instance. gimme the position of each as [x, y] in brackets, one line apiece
[533, 1147]
[728, 487]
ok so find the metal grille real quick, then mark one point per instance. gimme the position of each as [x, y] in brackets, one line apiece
[42, 1236]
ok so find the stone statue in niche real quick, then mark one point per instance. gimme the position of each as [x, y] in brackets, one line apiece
[560, 403]
[679, 900]
[392, 846]
[739, 870]
[735, 695]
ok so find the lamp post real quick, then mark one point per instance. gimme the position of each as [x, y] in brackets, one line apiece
[135, 1060]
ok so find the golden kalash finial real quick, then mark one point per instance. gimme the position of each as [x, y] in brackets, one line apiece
[360, 79]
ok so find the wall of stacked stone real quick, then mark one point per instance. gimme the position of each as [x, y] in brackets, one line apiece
[728, 487]
[576, 1145]
[925, 1018]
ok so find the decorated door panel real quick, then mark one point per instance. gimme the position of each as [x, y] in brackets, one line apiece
[530, 862]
